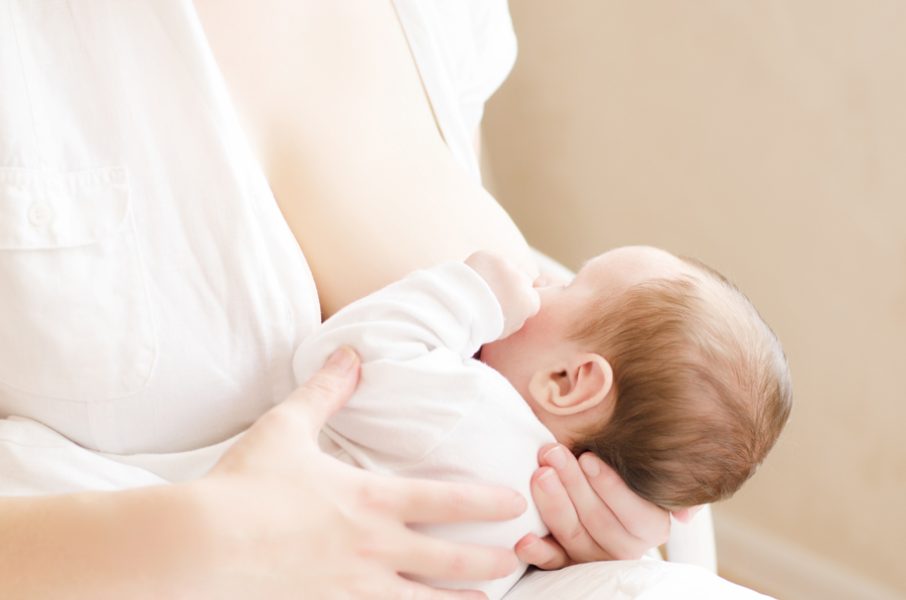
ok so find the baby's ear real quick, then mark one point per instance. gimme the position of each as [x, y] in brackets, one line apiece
[579, 384]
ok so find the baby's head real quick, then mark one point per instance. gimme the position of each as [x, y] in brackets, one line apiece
[659, 366]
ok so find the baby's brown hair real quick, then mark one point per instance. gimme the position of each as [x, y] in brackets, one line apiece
[702, 387]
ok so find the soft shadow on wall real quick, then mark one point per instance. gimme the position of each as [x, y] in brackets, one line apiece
[769, 140]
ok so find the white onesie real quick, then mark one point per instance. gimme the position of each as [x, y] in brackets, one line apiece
[425, 407]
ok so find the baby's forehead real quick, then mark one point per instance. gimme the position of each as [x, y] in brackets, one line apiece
[631, 265]
[620, 270]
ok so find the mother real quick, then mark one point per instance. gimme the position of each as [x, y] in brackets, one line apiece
[154, 292]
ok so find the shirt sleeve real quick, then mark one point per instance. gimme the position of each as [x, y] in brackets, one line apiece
[463, 50]
[487, 61]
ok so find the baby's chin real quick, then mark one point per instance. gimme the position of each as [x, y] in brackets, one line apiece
[501, 356]
[492, 354]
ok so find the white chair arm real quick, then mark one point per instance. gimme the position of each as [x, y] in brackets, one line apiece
[693, 543]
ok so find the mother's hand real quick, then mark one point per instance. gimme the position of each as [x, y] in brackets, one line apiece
[591, 513]
[294, 522]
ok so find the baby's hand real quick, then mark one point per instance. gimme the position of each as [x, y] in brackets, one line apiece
[513, 287]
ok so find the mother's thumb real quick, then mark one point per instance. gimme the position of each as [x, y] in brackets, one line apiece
[329, 388]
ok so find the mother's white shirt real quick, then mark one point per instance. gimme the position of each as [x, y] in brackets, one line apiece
[152, 294]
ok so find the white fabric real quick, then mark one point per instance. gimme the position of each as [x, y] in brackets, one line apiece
[463, 49]
[424, 407]
[35, 460]
[693, 543]
[630, 580]
[152, 294]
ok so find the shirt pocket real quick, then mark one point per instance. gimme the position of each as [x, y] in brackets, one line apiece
[75, 316]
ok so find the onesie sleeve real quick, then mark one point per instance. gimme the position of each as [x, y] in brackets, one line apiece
[447, 307]
[482, 69]
[415, 337]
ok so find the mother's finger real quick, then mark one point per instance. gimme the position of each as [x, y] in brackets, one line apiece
[585, 501]
[602, 525]
[292, 425]
[560, 516]
[545, 553]
[417, 554]
[422, 501]
[327, 390]
[412, 590]
[645, 521]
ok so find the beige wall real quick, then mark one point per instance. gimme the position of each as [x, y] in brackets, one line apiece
[768, 139]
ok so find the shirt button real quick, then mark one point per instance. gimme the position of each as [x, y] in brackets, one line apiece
[40, 214]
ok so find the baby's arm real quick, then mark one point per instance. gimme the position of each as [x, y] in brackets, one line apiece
[454, 307]
[412, 336]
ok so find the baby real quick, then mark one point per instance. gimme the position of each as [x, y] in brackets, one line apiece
[655, 363]
[659, 366]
